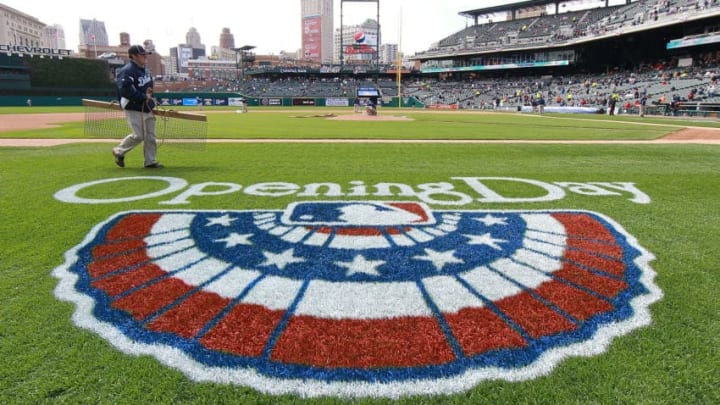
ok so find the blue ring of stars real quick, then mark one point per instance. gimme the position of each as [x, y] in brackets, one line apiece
[480, 238]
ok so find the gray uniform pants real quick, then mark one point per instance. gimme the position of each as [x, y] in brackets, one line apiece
[143, 131]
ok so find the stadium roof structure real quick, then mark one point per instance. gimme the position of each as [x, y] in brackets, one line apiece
[475, 13]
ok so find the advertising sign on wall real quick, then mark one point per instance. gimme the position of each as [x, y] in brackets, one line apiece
[303, 101]
[311, 38]
[337, 102]
[271, 101]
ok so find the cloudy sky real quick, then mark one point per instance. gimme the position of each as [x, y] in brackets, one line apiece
[270, 25]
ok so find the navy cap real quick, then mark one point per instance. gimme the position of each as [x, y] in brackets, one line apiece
[138, 50]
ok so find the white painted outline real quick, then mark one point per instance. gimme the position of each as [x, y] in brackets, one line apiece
[69, 194]
[177, 359]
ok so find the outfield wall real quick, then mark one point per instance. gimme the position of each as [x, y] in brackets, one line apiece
[47, 101]
[208, 99]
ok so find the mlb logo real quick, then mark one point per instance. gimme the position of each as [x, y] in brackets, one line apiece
[359, 213]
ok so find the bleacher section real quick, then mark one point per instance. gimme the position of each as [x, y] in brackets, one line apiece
[659, 83]
[663, 87]
[567, 27]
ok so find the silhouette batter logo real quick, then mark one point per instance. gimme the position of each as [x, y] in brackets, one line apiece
[359, 298]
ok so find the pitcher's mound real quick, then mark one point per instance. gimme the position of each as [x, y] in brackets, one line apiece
[365, 117]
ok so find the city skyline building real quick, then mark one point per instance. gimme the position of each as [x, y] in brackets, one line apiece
[154, 61]
[388, 54]
[18, 28]
[93, 33]
[316, 24]
[54, 36]
[227, 39]
[192, 38]
[125, 39]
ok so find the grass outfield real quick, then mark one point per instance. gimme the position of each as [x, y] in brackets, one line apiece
[47, 358]
[274, 124]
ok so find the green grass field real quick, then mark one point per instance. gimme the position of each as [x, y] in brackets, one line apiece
[290, 124]
[47, 358]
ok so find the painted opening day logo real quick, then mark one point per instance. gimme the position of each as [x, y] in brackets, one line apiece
[359, 298]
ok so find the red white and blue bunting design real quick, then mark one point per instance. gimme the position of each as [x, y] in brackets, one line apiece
[359, 299]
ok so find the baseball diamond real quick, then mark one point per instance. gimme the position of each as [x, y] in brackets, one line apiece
[515, 206]
[345, 296]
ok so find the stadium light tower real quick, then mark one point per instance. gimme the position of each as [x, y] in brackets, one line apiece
[377, 43]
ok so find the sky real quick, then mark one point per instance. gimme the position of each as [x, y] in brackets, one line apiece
[271, 26]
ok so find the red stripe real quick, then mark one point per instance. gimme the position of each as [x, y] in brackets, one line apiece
[133, 226]
[584, 226]
[414, 208]
[398, 342]
[321, 229]
[577, 303]
[359, 231]
[602, 285]
[120, 283]
[244, 331]
[536, 318]
[597, 263]
[613, 251]
[115, 248]
[110, 264]
[581, 230]
[144, 302]
[397, 231]
[479, 330]
[188, 318]
[121, 239]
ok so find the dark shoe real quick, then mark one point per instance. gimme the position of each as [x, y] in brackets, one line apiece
[119, 159]
[156, 165]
